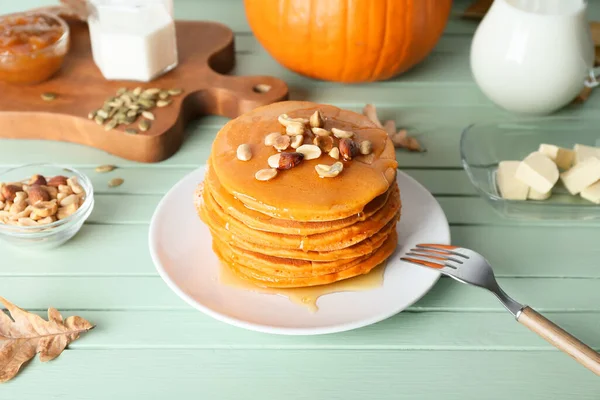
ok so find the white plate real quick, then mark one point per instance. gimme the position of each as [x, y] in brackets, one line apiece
[180, 245]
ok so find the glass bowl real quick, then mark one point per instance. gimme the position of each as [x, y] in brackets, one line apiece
[483, 146]
[37, 65]
[58, 232]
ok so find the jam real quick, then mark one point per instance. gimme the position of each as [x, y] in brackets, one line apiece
[32, 47]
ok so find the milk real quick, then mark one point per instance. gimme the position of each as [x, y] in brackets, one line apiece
[132, 40]
[533, 56]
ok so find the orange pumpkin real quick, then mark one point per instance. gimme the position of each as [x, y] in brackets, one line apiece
[348, 40]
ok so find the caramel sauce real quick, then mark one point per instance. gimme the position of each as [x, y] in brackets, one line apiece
[299, 193]
[308, 296]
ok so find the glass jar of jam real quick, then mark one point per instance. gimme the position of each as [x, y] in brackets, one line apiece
[32, 46]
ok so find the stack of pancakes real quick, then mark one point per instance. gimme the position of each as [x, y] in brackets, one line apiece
[299, 229]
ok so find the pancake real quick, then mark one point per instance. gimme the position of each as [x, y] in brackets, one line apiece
[263, 222]
[299, 193]
[364, 266]
[328, 241]
[300, 229]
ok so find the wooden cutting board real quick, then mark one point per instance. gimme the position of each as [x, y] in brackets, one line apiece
[206, 52]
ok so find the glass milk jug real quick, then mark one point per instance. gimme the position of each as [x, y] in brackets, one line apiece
[133, 39]
[533, 56]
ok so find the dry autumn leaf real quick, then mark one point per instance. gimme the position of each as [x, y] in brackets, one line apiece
[26, 334]
[401, 139]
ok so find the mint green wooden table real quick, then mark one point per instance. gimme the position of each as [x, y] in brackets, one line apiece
[456, 343]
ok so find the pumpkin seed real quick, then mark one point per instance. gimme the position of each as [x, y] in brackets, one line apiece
[105, 168]
[92, 114]
[102, 113]
[148, 115]
[131, 113]
[151, 92]
[163, 95]
[126, 99]
[110, 125]
[144, 125]
[120, 117]
[163, 103]
[121, 91]
[99, 120]
[131, 131]
[117, 103]
[115, 182]
[137, 91]
[134, 107]
[49, 96]
[112, 112]
[146, 103]
[175, 92]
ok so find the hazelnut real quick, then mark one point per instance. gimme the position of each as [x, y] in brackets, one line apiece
[58, 180]
[348, 149]
[37, 180]
[37, 194]
[289, 160]
[9, 192]
[325, 143]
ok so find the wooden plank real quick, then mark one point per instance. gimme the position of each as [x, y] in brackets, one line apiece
[158, 181]
[306, 374]
[502, 246]
[151, 293]
[438, 128]
[406, 331]
[133, 209]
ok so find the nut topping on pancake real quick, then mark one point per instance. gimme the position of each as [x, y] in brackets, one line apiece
[294, 129]
[310, 151]
[348, 149]
[366, 147]
[335, 153]
[282, 142]
[297, 141]
[325, 143]
[342, 134]
[244, 153]
[316, 120]
[270, 138]
[321, 132]
[289, 160]
[273, 161]
[266, 174]
[286, 121]
[329, 171]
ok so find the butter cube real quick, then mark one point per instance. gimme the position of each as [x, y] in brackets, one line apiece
[583, 152]
[581, 175]
[535, 195]
[510, 187]
[592, 193]
[562, 157]
[538, 171]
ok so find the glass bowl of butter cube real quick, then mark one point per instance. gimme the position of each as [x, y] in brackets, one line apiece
[536, 169]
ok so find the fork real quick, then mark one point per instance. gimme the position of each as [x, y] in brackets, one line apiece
[470, 267]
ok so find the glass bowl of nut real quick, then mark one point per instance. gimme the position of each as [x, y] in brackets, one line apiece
[43, 205]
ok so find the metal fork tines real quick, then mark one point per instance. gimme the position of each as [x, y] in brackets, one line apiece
[463, 265]
[468, 266]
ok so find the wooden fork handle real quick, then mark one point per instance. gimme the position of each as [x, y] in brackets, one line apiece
[560, 339]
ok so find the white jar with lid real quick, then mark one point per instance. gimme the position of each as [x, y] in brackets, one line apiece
[133, 39]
